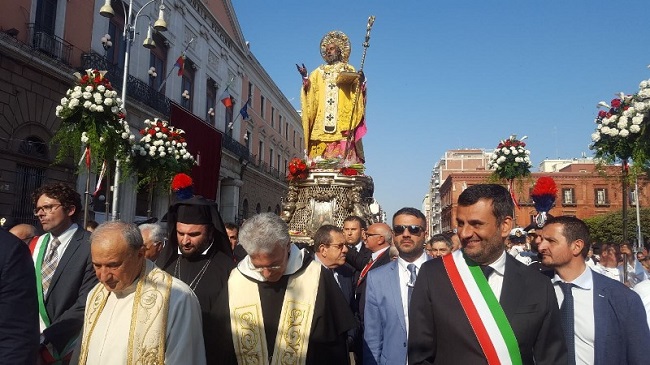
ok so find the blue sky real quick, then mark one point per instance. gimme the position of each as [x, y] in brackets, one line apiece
[462, 74]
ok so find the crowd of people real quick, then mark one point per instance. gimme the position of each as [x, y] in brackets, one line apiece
[198, 291]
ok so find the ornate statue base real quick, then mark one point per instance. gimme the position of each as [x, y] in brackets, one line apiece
[326, 197]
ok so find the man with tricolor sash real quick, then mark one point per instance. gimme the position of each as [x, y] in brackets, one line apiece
[280, 305]
[64, 273]
[479, 305]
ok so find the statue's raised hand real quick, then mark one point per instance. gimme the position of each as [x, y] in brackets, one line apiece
[302, 70]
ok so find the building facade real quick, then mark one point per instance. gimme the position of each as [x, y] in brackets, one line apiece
[43, 42]
[583, 192]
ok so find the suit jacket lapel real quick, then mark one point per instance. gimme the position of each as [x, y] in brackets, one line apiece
[600, 318]
[395, 292]
[511, 288]
[75, 243]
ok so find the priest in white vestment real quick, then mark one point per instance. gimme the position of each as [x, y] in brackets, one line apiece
[137, 314]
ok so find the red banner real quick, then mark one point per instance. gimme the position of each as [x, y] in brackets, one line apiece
[204, 143]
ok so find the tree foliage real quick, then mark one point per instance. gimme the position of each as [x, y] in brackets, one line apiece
[608, 228]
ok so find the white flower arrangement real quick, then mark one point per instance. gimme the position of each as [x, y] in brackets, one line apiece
[91, 114]
[161, 152]
[510, 159]
[620, 126]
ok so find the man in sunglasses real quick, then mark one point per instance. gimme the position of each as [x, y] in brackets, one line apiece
[480, 304]
[64, 272]
[388, 291]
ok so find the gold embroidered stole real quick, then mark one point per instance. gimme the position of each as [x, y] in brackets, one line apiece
[294, 327]
[147, 334]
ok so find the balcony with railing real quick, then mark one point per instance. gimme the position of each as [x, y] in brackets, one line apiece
[49, 44]
[136, 89]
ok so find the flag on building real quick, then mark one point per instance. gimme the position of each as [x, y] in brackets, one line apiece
[180, 63]
[244, 111]
[226, 99]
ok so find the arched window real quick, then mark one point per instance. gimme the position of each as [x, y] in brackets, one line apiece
[33, 146]
[258, 208]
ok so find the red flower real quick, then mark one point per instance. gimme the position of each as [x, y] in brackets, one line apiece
[142, 132]
[602, 114]
[293, 169]
[523, 144]
[616, 103]
[152, 132]
[164, 130]
[347, 171]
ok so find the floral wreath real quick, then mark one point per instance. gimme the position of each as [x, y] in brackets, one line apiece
[342, 42]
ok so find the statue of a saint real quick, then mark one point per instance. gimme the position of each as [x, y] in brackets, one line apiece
[333, 103]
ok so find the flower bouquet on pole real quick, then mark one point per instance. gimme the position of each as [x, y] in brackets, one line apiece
[92, 117]
[92, 120]
[510, 161]
[622, 135]
[160, 154]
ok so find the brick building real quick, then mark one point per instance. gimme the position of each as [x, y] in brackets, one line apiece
[583, 192]
[43, 42]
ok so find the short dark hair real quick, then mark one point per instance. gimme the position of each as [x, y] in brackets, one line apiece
[573, 229]
[410, 211]
[64, 193]
[356, 218]
[231, 226]
[502, 205]
[91, 224]
[440, 238]
[323, 235]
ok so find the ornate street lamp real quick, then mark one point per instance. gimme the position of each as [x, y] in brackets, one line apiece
[129, 34]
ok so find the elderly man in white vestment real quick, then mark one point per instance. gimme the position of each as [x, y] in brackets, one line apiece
[137, 314]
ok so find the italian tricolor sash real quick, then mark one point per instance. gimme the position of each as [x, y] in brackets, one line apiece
[482, 308]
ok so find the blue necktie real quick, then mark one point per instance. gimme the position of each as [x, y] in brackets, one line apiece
[411, 268]
[567, 315]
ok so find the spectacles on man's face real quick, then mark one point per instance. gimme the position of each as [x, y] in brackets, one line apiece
[47, 209]
[413, 229]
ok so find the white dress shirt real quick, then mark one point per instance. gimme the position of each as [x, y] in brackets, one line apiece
[496, 278]
[583, 305]
[376, 254]
[404, 278]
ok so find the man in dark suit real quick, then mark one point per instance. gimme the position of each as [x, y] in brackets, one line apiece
[459, 316]
[604, 321]
[354, 229]
[64, 272]
[18, 307]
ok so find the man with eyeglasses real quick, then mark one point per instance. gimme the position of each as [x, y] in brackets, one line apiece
[480, 305]
[154, 236]
[379, 239]
[389, 289]
[64, 272]
[276, 292]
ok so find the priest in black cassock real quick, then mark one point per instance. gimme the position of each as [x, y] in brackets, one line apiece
[280, 306]
[198, 253]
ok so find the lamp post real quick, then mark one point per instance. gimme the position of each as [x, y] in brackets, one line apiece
[129, 34]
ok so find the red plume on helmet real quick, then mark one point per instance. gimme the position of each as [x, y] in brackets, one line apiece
[182, 186]
[543, 194]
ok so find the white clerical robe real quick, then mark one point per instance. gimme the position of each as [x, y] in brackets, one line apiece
[109, 341]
